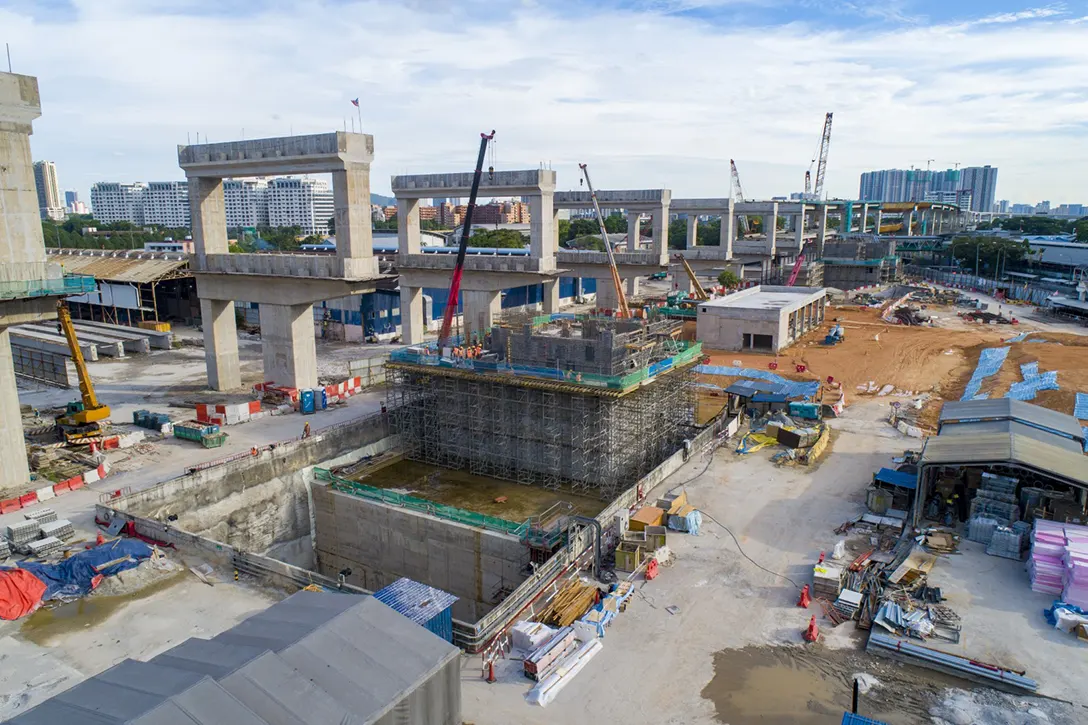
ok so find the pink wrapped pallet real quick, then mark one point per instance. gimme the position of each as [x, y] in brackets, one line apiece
[1059, 561]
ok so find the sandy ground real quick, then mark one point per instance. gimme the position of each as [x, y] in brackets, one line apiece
[661, 667]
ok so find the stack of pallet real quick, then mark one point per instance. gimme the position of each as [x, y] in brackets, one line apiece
[572, 601]
[540, 663]
[44, 547]
[61, 529]
[826, 581]
[23, 533]
[848, 602]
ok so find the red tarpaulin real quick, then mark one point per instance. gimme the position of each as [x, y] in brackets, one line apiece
[20, 593]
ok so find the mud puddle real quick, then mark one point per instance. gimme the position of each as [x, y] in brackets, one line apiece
[48, 623]
[810, 686]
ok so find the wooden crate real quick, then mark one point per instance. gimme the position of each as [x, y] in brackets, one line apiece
[646, 516]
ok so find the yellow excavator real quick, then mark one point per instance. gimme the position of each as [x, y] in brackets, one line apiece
[84, 418]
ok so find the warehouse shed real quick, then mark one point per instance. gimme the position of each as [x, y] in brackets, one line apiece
[761, 318]
[316, 658]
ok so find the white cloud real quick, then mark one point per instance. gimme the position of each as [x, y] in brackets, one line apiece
[647, 98]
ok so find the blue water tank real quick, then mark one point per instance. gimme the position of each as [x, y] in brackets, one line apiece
[306, 401]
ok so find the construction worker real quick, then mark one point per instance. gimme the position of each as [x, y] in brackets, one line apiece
[306, 431]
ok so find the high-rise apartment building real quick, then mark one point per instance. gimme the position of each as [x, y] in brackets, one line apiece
[982, 183]
[306, 203]
[1002, 207]
[166, 203]
[960, 198]
[246, 202]
[71, 198]
[50, 205]
[898, 185]
[113, 202]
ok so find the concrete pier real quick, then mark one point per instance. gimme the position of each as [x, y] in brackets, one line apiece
[411, 315]
[220, 344]
[287, 345]
[481, 307]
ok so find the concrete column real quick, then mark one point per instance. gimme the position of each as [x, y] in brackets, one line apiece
[910, 221]
[480, 310]
[541, 231]
[879, 219]
[799, 230]
[209, 217]
[632, 287]
[770, 229]
[864, 219]
[692, 239]
[555, 228]
[821, 231]
[633, 223]
[408, 241]
[15, 471]
[661, 234]
[550, 296]
[351, 202]
[221, 344]
[606, 294]
[411, 315]
[287, 343]
[21, 229]
[729, 231]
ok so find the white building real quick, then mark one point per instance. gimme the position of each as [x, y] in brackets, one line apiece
[761, 318]
[961, 198]
[113, 202]
[166, 203]
[306, 203]
[50, 201]
[246, 201]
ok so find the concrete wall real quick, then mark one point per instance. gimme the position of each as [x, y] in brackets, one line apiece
[258, 503]
[719, 332]
[21, 241]
[381, 543]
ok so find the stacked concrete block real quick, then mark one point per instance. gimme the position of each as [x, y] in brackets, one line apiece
[44, 547]
[227, 414]
[43, 515]
[23, 532]
[61, 529]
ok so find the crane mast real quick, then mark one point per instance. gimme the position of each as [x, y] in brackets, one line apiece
[825, 146]
[622, 310]
[738, 194]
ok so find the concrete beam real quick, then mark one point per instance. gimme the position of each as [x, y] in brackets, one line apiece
[641, 200]
[287, 345]
[502, 183]
[310, 154]
[27, 310]
[411, 315]
[700, 206]
[408, 240]
[158, 340]
[279, 290]
[51, 342]
[221, 344]
[133, 342]
[109, 346]
[15, 473]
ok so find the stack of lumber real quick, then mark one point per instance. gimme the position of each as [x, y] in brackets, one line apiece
[570, 603]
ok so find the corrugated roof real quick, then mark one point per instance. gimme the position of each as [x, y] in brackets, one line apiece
[138, 267]
[314, 657]
[1010, 426]
[415, 600]
[990, 448]
[897, 478]
[1009, 409]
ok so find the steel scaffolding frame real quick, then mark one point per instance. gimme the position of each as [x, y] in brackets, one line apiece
[599, 444]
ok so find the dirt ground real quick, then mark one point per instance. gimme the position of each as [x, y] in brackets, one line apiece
[736, 622]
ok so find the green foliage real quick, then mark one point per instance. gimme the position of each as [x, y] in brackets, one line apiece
[728, 279]
[615, 223]
[1080, 228]
[389, 225]
[591, 242]
[429, 225]
[121, 235]
[1036, 225]
[332, 225]
[1010, 250]
[499, 238]
[582, 227]
[708, 233]
[284, 239]
[564, 230]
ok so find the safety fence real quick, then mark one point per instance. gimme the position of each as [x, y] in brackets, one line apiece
[441, 511]
[428, 355]
[72, 284]
[1013, 291]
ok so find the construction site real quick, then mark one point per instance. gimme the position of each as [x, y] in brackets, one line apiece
[778, 503]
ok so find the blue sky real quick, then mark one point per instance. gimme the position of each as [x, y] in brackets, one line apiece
[651, 93]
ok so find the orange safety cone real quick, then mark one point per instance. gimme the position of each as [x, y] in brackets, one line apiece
[805, 598]
[491, 671]
[822, 555]
[100, 539]
[813, 632]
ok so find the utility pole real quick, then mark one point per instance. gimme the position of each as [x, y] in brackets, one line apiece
[976, 258]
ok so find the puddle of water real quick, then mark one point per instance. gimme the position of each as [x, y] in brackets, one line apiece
[45, 624]
[760, 686]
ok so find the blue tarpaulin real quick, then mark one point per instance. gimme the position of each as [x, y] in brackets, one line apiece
[897, 478]
[989, 362]
[75, 576]
[1080, 410]
[794, 389]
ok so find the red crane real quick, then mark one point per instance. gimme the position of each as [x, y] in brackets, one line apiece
[466, 230]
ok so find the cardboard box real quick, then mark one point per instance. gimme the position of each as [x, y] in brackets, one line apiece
[646, 516]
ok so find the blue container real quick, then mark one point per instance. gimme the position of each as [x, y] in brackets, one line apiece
[851, 719]
[321, 396]
[306, 401]
[424, 605]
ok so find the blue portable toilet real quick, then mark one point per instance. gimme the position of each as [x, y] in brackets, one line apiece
[426, 606]
[321, 396]
[306, 401]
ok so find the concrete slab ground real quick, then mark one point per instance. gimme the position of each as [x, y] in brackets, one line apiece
[655, 666]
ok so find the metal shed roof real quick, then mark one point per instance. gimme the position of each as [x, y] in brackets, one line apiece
[417, 601]
[1011, 426]
[1009, 409]
[748, 388]
[992, 448]
[897, 478]
[136, 267]
[314, 657]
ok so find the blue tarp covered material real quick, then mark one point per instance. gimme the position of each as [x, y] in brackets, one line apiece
[989, 362]
[897, 478]
[75, 576]
[1052, 620]
[1080, 410]
[794, 389]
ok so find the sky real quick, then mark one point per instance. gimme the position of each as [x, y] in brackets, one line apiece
[649, 93]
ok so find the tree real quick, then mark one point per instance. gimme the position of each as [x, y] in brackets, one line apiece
[1037, 225]
[564, 230]
[1080, 229]
[728, 279]
[582, 227]
[615, 224]
[332, 225]
[989, 249]
[389, 225]
[284, 239]
[590, 242]
[498, 238]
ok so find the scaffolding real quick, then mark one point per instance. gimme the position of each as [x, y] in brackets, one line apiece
[598, 444]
